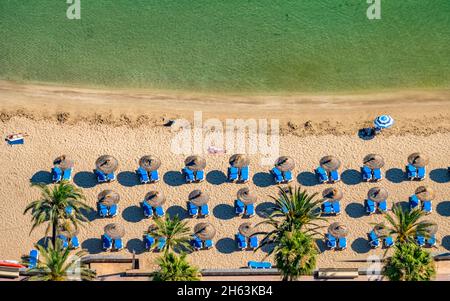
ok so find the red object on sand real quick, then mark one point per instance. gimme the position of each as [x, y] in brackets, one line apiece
[10, 264]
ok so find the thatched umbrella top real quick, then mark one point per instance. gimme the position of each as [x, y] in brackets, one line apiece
[431, 227]
[332, 194]
[114, 230]
[107, 164]
[63, 162]
[285, 163]
[378, 194]
[330, 163]
[239, 160]
[381, 230]
[67, 230]
[418, 160]
[246, 196]
[149, 163]
[198, 197]
[424, 193]
[155, 198]
[246, 229]
[338, 230]
[204, 231]
[373, 161]
[195, 162]
[108, 197]
[152, 228]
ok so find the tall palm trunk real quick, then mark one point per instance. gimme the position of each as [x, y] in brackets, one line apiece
[54, 228]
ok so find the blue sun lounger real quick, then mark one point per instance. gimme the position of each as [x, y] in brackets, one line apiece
[232, 174]
[106, 242]
[431, 241]
[56, 174]
[143, 175]
[321, 175]
[199, 175]
[67, 174]
[277, 175]
[334, 176]
[34, 259]
[102, 210]
[413, 202]
[427, 207]
[154, 176]
[239, 207]
[101, 177]
[68, 210]
[259, 265]
[342, 243]
[192, 209]
[149, 241]
[110, 177]
[382, 206]
[245, 174]
[118, 244]
[377, 174]
[113, 210]
[330, 241]
[204, 210]
[388, 242]
[254, 242]
[159, 211]
[208, 244]
[287, 176]
[161, 243]
[250, 210]
[148, 210]
[336, 207]
[421, 173]
[327, 208]
[241, 241]
[74, 243]
[366, 173]
[420, 240]
[370, 206]
[188, 175]
[197, 243]
[411, 172]
[374, 240]
[64, 240]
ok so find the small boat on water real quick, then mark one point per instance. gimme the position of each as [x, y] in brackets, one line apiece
[17, 138]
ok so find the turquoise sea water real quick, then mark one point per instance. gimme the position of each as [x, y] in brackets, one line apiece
[248, 46]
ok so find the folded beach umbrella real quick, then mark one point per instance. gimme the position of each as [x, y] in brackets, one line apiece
[338, 230]
[384, 122]
[195, 162]
[114, 230]
[63, 162]
[198, 197]
[246, 229]
[378, 194]
[373, 161]
[106, 164]
[149, 163]
[285, 163]
[381, 230]
[429, 226]
[204, 231]
[246, 196]
[418, 160]
[108, 197]
[330, 163]
[332, 194]
[424, 193]
[155, 198]
[239, 160]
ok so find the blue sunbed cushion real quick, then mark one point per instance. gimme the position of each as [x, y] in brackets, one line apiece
[56, 174]
[154, 176]
[192, 209]
[259, 265]
[420, 240]
[159, 211]
[67, 174]
[377, 174]
[204, 209]
[200, 175]
[366, 173]
[382, 206]
[118, 244]
[239, 207]
[148, 241]
[197, 243]
[34, 258]
[233, 173]
[74, 242]
[68, 210]
[113, 210]
[411, 171]
[101, 177]
[161, 243]
[388, 241]
[370, 206]
[245, 171]
[254, 242]
[250, 210]
[331, 241]
[111, 177]
[421, 173]
[287, 175]
[334, 175]
[143, 175]
[189, 175]
[373, 235]
[342, 242]
[148, 210]
[208, 244]
[327, 208]
[64, 240]
[322, 174]
[374, 243]
[241, 241]
[107, 242]
[102, 210]
[427, 206]
[431, 241]
[278, 177]
[413, 201]
[336, 207]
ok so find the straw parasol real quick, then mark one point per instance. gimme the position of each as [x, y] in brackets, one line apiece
[381, 230]
[246, 196]
[330, 163]
[285, 163]
[63, 162]
[108, 197]
[418, 160]
[115, 230]
[424, 193]
[378, 194]
[68, 230]
[246, 229]
[338, 230]
[155, 198]
[373, 161]
[198, 197]
[431, 227]
[106, 164]
[195, 162]
[239, 160]
[204, 231]
[149, 163]
[332, 194]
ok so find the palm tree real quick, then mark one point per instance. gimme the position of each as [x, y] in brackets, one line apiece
[409, 263]
[299, 211]
[51, 206]
[57, 264]
[295, 255]
[174, 268]
[176, 232]
[405, 224]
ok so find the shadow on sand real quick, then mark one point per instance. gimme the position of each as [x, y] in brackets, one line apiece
[135, 245]
[395, 175]
[264, 209]
[263, 179]
[133, 214]
[307, 178]
[92, 245]
[41, 177]
[224, 212]
[173, 178]
[176, 210]
[127, 179]
[355, 210]
[351, 177]
[446, 242]
[85, 179]
[440, 175]
[443, 208]
[216, 177]
[226, 245]
[361, 245]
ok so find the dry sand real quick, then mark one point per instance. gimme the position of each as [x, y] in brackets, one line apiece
[86, 123]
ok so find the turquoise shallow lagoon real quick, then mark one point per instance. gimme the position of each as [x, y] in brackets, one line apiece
[238, 46]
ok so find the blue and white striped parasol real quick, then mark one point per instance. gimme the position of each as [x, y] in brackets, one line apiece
[383, 122]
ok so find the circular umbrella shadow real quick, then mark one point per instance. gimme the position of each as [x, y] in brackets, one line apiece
[216, 177]
[446, 242]
[226, 245]
[92, 245]
[85, 179]
[133, 214]
[355, 210]
[443, 208]
[176, 210]
[361, 245]
[127, 179]
[395, 175]
[41, 177]
[440, 175]
[265, 209]
[173, 178]
[351, 177]
[224, 212]
[263, 179]
[135, 245]
[307, 178]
